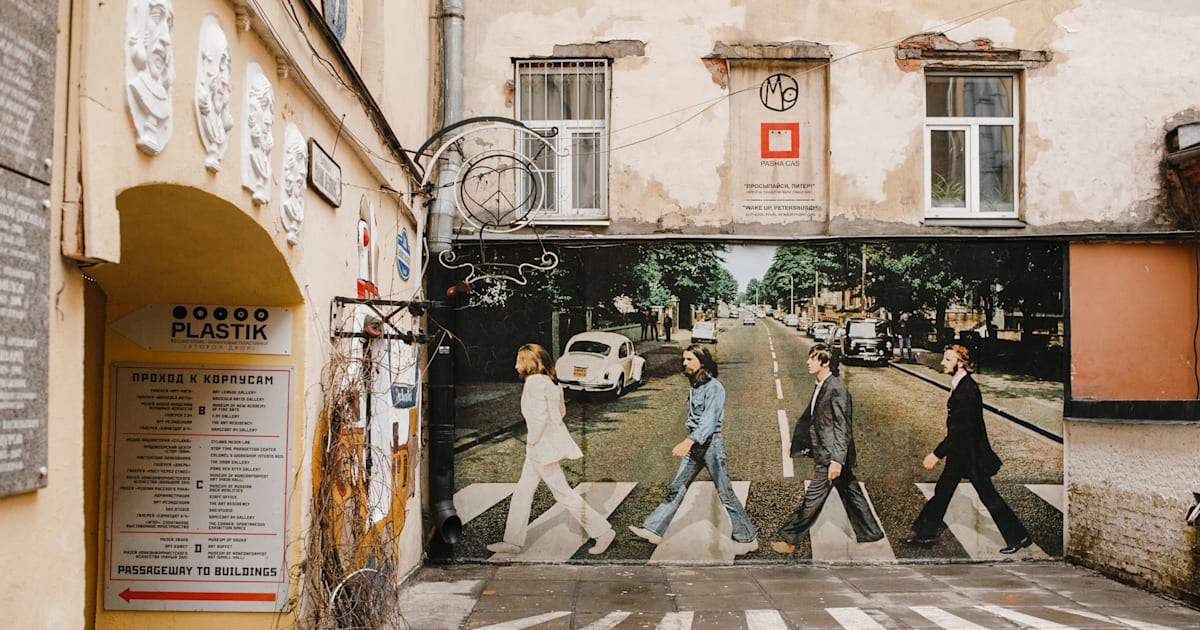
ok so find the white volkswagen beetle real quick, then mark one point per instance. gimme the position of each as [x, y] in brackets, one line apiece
[596, 361]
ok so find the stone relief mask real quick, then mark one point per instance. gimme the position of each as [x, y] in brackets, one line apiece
[292, 185]
[214, 89]
[150, 71]
[257, 134]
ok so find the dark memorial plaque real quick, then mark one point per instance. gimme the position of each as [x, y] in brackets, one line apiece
[27, 57]
[24, 332]
[27, 37]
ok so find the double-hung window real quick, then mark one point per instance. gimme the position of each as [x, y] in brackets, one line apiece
[971, 146]
[568, 98]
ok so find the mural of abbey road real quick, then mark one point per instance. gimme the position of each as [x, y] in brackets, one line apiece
[617, 321]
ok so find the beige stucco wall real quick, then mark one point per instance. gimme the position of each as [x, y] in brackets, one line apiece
[1092, 118]
[148, 223]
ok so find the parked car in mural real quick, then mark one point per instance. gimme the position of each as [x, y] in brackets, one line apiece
[790, 321]
[704, 332]
[749, 320]
[597, 361]
[869, 340]
[821, 331]
[803, 323]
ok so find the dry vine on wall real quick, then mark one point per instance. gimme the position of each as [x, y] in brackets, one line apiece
[348, 569]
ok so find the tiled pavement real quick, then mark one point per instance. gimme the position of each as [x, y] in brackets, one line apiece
[775, 597]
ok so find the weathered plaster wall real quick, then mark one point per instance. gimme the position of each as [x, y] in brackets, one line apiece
[1092, 117]
[1128, 489]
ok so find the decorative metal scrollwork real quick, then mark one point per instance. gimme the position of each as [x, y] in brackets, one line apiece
[485, 270]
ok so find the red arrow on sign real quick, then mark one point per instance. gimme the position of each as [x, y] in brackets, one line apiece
[129, 595]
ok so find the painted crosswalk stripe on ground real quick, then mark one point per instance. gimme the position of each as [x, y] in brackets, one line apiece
[528, 622]
[944, 619]
[609, 621]
[1132, 623]
[676, 621]
[1027, 621]
[854, 619]
[765, 620]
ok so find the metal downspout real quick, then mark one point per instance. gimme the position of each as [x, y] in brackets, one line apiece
[441, 370]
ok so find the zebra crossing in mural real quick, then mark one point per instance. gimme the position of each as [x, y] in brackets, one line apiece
[553, 537]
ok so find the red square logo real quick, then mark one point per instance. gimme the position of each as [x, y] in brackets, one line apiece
[780, 140]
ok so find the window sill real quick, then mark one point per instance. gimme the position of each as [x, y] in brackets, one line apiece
[975, 223]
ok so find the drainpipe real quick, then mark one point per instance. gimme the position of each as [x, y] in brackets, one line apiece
[441, 368]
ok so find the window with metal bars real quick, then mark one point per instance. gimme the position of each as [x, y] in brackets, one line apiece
[569, 99]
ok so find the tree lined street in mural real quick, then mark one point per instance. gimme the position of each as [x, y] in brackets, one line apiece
[1002, 300]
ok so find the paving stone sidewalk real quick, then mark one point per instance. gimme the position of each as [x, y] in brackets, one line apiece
[776, 597]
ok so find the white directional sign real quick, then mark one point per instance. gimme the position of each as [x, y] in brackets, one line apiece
[197, 488]
[210, 328]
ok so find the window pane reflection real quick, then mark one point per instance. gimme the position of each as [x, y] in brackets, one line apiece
[968, 96]
[948, 169]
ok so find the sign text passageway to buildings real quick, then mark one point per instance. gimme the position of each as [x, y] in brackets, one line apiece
[198, 481]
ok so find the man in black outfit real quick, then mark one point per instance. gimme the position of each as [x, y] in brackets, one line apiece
[832, 434]
[969, 456]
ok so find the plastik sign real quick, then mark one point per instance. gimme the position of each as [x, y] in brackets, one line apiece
[210, 328]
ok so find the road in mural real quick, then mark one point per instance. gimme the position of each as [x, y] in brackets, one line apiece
[753, 308]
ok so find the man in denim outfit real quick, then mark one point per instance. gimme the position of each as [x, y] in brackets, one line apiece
[702, 448]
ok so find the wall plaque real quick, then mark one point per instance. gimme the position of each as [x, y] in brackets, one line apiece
[324, 175]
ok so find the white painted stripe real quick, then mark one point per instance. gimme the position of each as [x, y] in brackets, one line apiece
[1132, 623]
[676, 621]
[478, 498]
[974, 528]
[1050, 493]
[1028, 621]
[765, 620]
[772, 355]
[833, 538]
[945, 620]
[778, 389]
[785, 440]
[854, 619]
[775, 367]
[528, 622]
[556, 536]
[609, 621]
[701, 532]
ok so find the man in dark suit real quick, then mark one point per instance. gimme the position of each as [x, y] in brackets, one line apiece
[832, 437]
[969, 456]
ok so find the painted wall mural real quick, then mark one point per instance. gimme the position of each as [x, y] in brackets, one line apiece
[627, 328]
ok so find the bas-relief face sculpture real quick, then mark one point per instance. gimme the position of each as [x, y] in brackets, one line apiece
[257, 134]
[214, 88]
[292, 184]
[150, 71]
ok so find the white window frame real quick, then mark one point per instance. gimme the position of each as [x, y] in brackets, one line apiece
[558, 203]
[971, 125]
